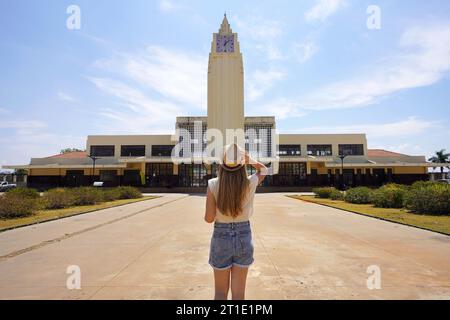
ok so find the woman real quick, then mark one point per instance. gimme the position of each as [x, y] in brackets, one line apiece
[229, 203]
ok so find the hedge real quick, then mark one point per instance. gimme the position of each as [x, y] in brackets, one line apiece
[57, 199]
[83, 196]
[15, 206]
[430, 199]
[128, 192]
[24, 201]
[359, 195]
[336, 195]
[323, 192]
[389, 196]
[28, 193]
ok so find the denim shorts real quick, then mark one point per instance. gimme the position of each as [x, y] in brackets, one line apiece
[231, 244]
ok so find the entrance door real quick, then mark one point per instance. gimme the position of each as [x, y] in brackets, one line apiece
[192, 175]
[74, 178]
[132, 178]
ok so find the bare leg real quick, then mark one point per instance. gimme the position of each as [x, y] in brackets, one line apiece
[238, 281]
[222, 284]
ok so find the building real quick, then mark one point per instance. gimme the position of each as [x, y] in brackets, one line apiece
[300, 161]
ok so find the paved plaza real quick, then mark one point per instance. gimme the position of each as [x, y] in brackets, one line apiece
[158, 249]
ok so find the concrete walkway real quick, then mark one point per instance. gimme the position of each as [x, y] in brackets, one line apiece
[158, 249]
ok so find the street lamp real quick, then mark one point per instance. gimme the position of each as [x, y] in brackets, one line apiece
[342, 157]
[94, 158]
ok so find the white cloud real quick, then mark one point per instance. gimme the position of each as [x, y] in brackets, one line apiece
[281, 108]
[424, 59]
[270, 50]
[258, 28]
[65, 97]
[405, 148]
[133, 111]
[29, 138]
[177, 75]
[260, 33]
[261, 81]
[4, 111]
[22, 124]
[168, 5]
[37, 144]
[305, 50]
[323, 9]
[403, 128]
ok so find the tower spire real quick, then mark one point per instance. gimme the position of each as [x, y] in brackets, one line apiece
[225, 26]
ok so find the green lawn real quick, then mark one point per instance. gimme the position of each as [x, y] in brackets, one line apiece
[47, 215]
[429, 222]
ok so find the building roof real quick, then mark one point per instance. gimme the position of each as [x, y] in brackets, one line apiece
[384, 153]
[70, 155]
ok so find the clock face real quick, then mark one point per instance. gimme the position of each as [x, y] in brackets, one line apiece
[225, 43]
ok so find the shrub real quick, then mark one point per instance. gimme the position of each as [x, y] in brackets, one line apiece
[430, 199]
[389, 196]
[422, 184]
[128, 192]
[360, 195]
[15, 206]
[111, 194]
[57, 199]
[323, 192]
[336, 195]
[83, 196]
[23, 193]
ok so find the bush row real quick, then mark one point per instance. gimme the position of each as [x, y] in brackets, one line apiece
[21, 202]
[328, 193]
[423, 197]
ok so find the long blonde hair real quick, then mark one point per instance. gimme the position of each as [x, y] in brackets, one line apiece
[233, 187]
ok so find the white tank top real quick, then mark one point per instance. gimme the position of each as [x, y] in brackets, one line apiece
[247, 208]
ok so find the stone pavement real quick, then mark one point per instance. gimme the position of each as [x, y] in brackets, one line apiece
[158, 249]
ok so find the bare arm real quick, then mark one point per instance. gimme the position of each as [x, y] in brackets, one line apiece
[261, 169]
[210, 210]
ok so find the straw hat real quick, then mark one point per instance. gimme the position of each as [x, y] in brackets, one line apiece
[233, 158]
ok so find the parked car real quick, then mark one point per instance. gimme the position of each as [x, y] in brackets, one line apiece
[5, 186]
[447, 181]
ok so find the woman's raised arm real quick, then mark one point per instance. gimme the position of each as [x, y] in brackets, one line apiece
[261, 169]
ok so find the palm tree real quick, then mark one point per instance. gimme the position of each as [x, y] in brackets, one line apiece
[441, 157]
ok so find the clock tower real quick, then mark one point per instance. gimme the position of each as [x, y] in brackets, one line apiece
[225, 81]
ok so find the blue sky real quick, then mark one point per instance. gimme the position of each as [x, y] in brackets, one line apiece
[135, 65]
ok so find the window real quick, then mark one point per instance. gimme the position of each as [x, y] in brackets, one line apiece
[288, 150]
[351, 149]
[102, 151]
[108, 175]
[162, 150]
[319, 150]
[132, 151]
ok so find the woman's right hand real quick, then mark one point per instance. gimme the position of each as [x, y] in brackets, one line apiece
[246, 157]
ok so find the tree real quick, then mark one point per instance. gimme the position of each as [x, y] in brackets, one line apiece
[440, 157]
[20, 171]
[68, 150]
